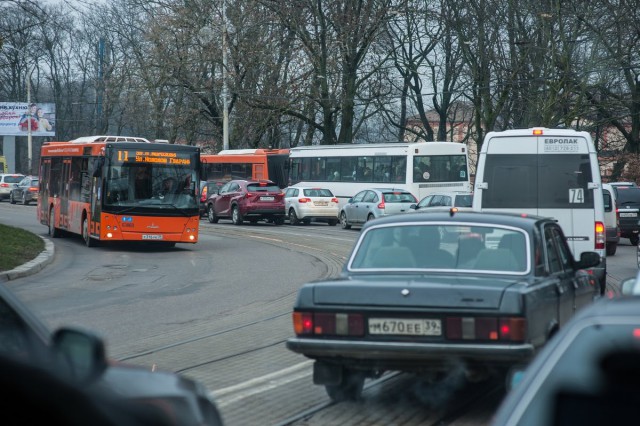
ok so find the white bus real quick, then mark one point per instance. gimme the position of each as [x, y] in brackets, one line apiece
[421, 167]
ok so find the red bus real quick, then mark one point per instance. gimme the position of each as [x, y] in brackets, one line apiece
[250, 164]
[115, 188]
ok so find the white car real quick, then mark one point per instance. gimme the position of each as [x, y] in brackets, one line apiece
[8, 181]
[443, 199]
[304, 204]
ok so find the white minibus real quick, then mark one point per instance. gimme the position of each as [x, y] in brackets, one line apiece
[546, 172]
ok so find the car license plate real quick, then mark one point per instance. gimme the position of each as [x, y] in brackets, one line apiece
[405, 327]
[320, 203]
[628, 214]
[152, 236]
[266, 198]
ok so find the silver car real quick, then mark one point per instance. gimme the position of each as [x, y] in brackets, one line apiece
[374, 203]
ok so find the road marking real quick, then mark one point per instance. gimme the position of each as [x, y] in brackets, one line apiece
[265, 383]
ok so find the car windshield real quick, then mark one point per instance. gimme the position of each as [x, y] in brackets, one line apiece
[262, 187]
[463, 200]
[461, 247]
[317, 192]
[593, 346]
[13, 179]
[398, 197]
[628, 195]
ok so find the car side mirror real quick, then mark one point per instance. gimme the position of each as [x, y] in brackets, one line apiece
[81, 352]
[413, 206]
[588, 259]
[628, 286]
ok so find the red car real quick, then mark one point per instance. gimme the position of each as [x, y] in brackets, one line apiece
[242, 200]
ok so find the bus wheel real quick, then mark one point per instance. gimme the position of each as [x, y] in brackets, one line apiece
[90, 242]
[343, 221]
[53, 231]
[293, 217]
[236, 216]
[211, 214]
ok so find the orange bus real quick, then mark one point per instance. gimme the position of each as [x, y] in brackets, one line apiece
[115, 188]
[251, 164]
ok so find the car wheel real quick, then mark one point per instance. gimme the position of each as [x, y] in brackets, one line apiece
[278, 221]
[634, 240]
[11, 200]
[211, 214]
[293, 217]
[90, 242]
[24, 199]
[236, 216]
[344, 222]
[350, 389]
[53, 231]
[611, 249]
[333, 222]
[370, 217]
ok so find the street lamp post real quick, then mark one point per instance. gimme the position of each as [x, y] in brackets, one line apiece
[29, 140]
[225, 106]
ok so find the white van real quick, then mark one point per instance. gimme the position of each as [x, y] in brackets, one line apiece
[611, 218]
[546, 172]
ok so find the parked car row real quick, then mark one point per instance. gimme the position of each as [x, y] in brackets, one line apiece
[240, 200]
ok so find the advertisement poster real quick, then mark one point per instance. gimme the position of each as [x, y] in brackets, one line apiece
[16, 117]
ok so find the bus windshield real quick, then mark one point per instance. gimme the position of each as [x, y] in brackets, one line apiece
[169, 185]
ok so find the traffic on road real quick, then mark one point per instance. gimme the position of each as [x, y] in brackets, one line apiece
[260, 314]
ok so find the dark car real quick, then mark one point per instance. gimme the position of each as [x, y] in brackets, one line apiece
[79, 357]
[249, 200]
[628, 201]
[588, 374]
[25, 191]
[487, 297]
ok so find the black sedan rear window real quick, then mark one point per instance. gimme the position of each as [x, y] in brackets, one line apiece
[482, 248]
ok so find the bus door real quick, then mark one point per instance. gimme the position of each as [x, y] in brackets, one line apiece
[257, 171]
[43, 196]
[95, 174]
[64, 194]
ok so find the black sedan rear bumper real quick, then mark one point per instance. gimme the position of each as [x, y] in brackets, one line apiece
[411, 353]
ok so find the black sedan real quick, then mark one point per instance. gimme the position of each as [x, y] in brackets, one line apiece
[588, 374]
[25, 191]
[74, 361]
[428, 293]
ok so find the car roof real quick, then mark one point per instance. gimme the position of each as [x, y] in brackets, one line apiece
[390, 190]
[524, 221]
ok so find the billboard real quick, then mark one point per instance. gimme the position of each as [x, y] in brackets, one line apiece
[15, 118]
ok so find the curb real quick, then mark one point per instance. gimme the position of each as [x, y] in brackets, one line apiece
[33, 266]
